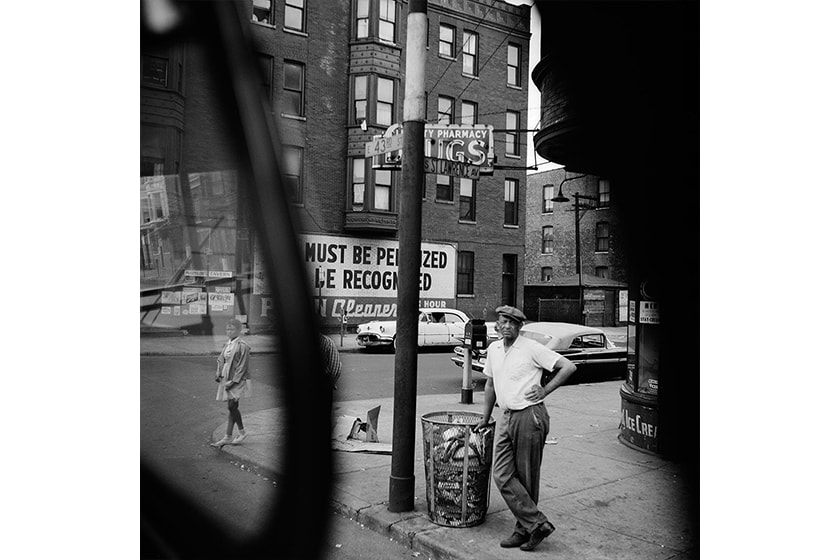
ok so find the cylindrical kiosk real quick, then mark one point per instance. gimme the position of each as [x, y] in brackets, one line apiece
[458, 463]
[640, 392]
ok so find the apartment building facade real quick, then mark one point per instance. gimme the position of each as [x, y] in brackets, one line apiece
[575, 259]
[333, 80]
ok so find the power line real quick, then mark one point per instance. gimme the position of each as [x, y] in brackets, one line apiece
[460, 49]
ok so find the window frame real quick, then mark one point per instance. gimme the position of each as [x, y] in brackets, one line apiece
[292, 94]
[512, 135]
[602, 237]
[473, 56]
[603, 193]
[393, 22]
[451, 45]
[467, 201]
[267, 77]
[379, 103]
[450, 114]
[548, 203]
[287, 6]
[546, 273]
[511, 201]
[355, 163]
[547, 240]
[297, 180]
[379, 187]
[270, 10]
[474, 107]
[362, 18]
[444, 184]
[144, 58]
[515, 68]
[465, 274]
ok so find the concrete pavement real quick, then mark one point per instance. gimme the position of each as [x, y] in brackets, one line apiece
[607, 500]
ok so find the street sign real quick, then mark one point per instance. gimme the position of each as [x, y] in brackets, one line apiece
[451, 168]
[456, 150]
[383, 144]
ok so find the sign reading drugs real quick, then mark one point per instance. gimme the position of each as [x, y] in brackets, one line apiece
[450, 149]
[367, 268]
[466, 144]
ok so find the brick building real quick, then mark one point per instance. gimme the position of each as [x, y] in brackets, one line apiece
[333, 77]
[554, 291]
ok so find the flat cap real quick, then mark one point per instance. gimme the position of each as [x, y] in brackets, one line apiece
[511, 313]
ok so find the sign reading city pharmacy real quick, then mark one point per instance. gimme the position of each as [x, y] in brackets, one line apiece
[450, 149]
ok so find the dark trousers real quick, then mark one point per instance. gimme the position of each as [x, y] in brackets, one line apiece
[517, 459]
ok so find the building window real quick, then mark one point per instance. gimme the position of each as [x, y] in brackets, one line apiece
[444, 188]
[601, 271]
[292, 101]
[509, 274]
[384, 101]
[362, 19]
[263, 12]
[445, 105]
[266, 64]
[153, 202]
[603, 193]
[358, 184]
[602, 236]
[548, 194]
[470, 65]
[360, 98]
[468, 112]
[514, 75]
[292, 168]
[466, 272]
[547, 240]
[154, 70]
[467, 208]
[383, 181]
[511, 202]
[512, 134]
[545, 274]
[387, 19]
[446, 47]
[293, 15]
[384, 108]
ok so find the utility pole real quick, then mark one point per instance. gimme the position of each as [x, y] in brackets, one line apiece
[401, 487]
[578, 266]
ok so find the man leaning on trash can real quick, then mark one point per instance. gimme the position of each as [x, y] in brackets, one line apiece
[514, 368]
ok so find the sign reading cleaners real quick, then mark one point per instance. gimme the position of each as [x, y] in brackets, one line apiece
[359, 276]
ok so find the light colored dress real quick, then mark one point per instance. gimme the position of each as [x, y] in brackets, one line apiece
[232, 365]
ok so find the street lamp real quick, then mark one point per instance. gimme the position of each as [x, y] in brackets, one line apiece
[577, 206]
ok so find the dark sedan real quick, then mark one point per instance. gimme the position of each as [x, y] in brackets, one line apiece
[588, 348]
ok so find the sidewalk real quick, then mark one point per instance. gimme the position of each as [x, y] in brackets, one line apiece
[607, 500]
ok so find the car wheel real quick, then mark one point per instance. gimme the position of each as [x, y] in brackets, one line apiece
[394, 345]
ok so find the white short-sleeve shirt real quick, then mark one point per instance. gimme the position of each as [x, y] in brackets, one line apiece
[517, 370]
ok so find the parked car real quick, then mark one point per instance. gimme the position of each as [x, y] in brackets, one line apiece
[437, 327]
[588, 348]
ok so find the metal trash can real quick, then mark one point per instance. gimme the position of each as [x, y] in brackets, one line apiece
[458, 465]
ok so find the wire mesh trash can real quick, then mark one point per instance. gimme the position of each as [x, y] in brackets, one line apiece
[458, 465]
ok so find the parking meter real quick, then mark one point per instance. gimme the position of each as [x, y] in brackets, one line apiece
[475, 334]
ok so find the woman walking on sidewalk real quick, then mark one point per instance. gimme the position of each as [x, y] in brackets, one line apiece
[234, 381]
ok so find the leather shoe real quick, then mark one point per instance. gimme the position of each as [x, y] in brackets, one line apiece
[516, 539]
[537, 536]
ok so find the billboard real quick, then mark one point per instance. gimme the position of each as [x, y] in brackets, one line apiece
[359, 276]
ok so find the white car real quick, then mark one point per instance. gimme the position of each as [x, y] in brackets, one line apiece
[437, 327]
